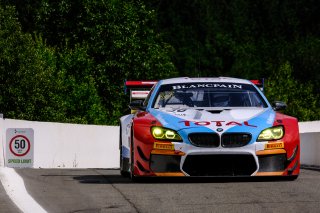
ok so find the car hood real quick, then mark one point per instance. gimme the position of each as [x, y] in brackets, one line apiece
[252, 120]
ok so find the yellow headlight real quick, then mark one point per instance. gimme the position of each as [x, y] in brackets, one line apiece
[162, 133]
[273, 133]
[157, 132]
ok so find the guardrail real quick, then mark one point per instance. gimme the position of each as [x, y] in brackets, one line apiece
[58, 145]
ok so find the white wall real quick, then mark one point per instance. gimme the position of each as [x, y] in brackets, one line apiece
[309, 126]
[310, 148]
[310, 143]
[58, 145]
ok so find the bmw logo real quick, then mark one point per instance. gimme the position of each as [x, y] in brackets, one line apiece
[219, 129]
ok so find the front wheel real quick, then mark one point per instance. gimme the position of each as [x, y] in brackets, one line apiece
[123, 168]
[132, 176]
[123, 172]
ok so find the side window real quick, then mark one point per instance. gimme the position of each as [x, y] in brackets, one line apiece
[146, 101]
[255, 100]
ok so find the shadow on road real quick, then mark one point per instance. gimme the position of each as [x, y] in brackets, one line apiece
[118, 179]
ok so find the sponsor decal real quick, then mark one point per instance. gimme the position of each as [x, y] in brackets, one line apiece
[206, 85]
[217, 123]
[275, 145]
[167, 146]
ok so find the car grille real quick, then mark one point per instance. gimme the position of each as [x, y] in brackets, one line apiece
[220, 165]
[204, 139]
[213, 140]
[235, 139]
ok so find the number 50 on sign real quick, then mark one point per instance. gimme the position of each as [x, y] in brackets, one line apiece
[19, 147]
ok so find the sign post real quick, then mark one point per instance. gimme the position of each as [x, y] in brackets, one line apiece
[19, 147]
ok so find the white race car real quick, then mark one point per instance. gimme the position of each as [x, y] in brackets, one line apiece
[206, 127]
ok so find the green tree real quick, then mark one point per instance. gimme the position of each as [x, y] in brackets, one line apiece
[302, 103]
[92, 46]
[37, 83]
[76, 87]
[26, 72]
[95, 46]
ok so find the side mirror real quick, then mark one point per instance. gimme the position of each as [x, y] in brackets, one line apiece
[137, 105]
[279, 105]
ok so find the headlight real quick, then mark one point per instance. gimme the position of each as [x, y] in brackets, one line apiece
[161, 133]
[273, 133]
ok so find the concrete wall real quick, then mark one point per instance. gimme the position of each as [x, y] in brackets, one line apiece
[310, 143]
[58, 145]
[310, 148]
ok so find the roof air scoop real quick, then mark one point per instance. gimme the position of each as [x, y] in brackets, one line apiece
[215, 111]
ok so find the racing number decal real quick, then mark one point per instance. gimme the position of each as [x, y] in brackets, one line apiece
[19, 145]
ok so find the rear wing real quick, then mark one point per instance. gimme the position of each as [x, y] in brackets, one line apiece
[259, 83]
[138, 90]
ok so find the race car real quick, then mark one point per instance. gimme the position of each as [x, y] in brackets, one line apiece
[216, 127]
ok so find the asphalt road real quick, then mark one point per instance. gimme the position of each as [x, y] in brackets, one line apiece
[99, 190]
[6, 205]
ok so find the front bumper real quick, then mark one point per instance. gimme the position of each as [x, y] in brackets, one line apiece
[251, 160]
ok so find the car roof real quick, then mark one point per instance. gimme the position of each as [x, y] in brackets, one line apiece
[202, 79]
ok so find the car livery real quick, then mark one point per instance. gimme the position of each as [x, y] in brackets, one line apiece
[207, 127]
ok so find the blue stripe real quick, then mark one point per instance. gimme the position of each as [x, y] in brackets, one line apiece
[263, 121]
[176, 123]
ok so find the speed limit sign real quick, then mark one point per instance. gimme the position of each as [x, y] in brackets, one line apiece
[19, 147]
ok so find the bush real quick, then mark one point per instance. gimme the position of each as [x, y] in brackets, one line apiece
[301, 101]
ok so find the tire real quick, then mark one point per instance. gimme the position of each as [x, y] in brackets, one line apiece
[132, 177]
[292, 177]
[132, 162]
[122, 171]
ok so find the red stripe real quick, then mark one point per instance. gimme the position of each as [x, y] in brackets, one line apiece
[256, 82]
[140, 92]
[140, 83]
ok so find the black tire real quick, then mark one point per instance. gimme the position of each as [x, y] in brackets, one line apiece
[132, 177]
[122, 171]
[292, 177]
[132, 163]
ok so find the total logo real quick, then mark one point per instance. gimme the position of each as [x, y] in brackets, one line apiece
[217, 123]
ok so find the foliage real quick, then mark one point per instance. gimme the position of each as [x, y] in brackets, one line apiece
[301, 102]
[67, 60]
[26, 79]
[89, 50]
[249, 39]
[77, 88]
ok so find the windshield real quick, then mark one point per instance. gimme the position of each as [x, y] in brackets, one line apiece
[208, 95]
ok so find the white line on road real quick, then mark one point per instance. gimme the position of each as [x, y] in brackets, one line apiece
[15, 188]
